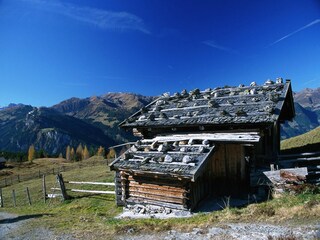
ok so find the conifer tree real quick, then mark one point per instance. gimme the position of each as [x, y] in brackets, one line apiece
[85, 153]
[111, 154]
[31, 153]
[68, 153]
[72, 154]
[79, 152]
[101, 151]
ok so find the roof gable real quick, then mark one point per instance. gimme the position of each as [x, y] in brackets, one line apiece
[230, 105]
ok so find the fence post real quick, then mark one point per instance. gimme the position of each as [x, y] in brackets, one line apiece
[28, 195]
[44, 189]
[18, 178]
[1, 198]
[62, 187]
[14, 198]
[5, 182]
[39, 174]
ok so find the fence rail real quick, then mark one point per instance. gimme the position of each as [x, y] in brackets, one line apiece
[309, 160]
[17, 178]
[64, 190]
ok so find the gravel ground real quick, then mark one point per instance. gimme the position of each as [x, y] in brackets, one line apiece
[232, 231]
[16, 228]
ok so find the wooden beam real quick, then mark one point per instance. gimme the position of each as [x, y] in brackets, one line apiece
[92, 183]
[134, 200]
[156, 198]
[229, 137]
[92, 191]
[157, 192]
[156, 187]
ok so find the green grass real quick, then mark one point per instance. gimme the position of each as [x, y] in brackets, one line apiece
[93, 215]
[309, 138]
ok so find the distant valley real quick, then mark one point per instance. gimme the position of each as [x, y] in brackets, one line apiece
[94, 121]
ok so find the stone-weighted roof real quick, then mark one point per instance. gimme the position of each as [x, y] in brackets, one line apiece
[181, 155]
[229, 105]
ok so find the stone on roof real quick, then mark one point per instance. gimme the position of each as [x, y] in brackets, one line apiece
[252, 104]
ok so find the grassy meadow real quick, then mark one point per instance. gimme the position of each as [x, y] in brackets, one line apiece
[92, 216]
[309, 141]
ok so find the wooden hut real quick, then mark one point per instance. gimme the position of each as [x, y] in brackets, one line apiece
[201, 142]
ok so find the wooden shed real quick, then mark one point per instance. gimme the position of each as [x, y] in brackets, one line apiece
[199, 143]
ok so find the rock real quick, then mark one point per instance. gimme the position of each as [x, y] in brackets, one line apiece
[142, 211]
[130, 231]
[187, 159]
[205, 142]
[168, 159]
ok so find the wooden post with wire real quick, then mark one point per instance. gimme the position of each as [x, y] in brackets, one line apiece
[44, 189]
[14, 198]
[28, 196]
[1, 198]
[62, 187]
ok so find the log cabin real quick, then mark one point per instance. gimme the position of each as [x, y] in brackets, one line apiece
[199, 143]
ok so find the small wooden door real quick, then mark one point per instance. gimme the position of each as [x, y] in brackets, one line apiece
[229, 171]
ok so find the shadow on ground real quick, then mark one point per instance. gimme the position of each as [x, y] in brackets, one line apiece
[21, 218]
[219, 203]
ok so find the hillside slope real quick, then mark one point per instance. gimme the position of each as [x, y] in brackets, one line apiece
[21, 126]
[105, 112]
[309, 140]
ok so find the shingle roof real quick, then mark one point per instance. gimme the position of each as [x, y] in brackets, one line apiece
[228, 105]
[180, 155]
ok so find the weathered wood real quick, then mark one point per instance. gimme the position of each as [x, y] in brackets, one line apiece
[148, 186]
[28, 196]
[225, 137]
[156, 198]
[274, 176]
[156, 191]
[44, 188]
[92, 191]
[143, 201]
[118, 189]
[124, 178]
[1, 198]
[298, 155]
[62, 187]
[92, 183]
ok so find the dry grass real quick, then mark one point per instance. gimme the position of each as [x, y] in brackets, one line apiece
[93, 215]
[310, 137]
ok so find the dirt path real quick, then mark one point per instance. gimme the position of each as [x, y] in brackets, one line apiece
[15, 227]
[238, 231]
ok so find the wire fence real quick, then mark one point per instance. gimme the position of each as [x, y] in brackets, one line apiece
[17, 178]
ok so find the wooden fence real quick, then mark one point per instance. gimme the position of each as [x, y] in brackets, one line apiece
[62, 187]
[309, 160]
[13, 179]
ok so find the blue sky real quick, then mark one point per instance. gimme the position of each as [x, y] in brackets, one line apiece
[53, 50]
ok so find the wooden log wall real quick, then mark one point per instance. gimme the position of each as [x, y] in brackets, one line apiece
[199, 190]
[118, 189]
[161, 192]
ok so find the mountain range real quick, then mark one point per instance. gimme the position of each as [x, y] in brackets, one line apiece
[94, 121]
